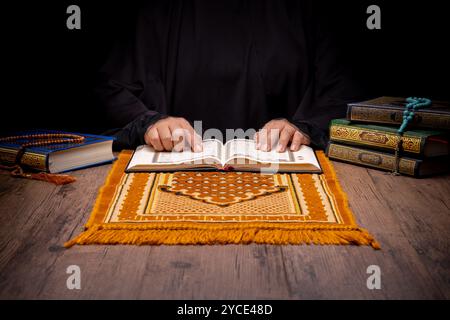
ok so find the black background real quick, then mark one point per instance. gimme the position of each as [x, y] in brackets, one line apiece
[49, 71]
[282, 309]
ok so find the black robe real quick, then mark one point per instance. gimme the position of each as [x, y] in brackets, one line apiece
[230, 63]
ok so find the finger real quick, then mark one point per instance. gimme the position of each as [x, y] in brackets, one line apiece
[180, 135]
[297, 141]
[181, 131]
[197, 142]
[262, 139]
[256, 138]
[285, 137]
[194, 140]
[154, 140]
[273, 136]
[179, 139]
[166, 137]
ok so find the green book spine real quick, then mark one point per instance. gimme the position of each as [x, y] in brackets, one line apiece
[373, 159]
[379, 137]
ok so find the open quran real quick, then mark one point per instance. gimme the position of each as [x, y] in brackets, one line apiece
[236, 154]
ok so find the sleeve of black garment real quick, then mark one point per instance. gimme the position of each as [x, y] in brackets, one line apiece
[121, 84]
[331, 86]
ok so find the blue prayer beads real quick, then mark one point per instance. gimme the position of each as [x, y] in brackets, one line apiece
[413, 104]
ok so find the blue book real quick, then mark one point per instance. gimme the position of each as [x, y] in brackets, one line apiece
[58, 158]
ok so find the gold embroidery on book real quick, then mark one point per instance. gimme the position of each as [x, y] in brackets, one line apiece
[374, 138]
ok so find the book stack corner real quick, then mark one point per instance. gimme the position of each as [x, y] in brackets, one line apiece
[368, 137]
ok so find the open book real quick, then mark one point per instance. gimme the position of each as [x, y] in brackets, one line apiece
[237, 154]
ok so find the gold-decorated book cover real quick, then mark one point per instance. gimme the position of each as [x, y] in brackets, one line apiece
[416, 143]
[389, 110]
[385, 161]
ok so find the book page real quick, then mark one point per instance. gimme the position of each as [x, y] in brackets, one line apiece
[244, 148]
[239, 148]
[305, 155]
[212, 149]
[146, 155]
[214, 152]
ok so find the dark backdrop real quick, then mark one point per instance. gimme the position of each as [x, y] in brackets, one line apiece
[49, 71]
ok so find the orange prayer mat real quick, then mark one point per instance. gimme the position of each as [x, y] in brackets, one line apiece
[221, 208]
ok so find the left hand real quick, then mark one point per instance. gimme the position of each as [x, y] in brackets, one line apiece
[279, 133]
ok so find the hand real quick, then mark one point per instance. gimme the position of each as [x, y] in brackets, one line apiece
[280, 132]
[173, 134]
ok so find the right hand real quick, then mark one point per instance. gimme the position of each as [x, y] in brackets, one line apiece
[173, 133]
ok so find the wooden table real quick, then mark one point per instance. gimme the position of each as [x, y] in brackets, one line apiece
[409, 217]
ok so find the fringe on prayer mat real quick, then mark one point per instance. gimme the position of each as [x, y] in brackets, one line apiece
[105, 234]
[105, 226]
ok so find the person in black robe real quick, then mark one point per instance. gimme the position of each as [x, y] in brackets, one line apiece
[229, 63]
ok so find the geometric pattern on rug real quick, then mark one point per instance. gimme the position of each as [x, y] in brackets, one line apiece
[204, 207]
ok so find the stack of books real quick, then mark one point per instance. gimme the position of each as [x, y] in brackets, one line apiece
[368, 137]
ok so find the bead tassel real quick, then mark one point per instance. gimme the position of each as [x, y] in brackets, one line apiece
[39, 141]
[413, 104]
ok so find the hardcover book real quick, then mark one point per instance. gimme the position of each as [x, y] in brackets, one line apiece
[386, 161]
[59, 158]
[425, 143]
[236, 154]
[389, 110]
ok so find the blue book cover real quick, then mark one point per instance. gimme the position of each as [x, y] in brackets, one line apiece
[38, 157]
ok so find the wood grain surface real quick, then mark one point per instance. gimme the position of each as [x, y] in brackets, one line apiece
[409, 217]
